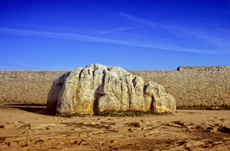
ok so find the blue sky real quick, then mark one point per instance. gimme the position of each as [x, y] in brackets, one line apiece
[132, 34]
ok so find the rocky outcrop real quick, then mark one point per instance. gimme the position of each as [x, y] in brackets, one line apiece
[97, 88]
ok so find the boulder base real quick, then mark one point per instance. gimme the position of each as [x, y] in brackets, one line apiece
[97, 88]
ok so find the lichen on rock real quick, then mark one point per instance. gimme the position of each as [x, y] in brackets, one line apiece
[97, 88]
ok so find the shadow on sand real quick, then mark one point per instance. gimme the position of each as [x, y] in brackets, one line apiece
[33, 108]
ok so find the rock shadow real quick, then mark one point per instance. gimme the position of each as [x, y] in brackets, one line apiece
[33, 108]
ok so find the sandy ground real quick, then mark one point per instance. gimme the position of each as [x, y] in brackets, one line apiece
[30, 127]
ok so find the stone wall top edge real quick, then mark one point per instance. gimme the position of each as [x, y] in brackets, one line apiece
[69, 70]
[180, 68]
[152, 70]
[204, 68]
[35, 70]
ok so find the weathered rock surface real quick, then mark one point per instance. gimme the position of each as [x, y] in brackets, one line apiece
[55, 89]
[97, 88]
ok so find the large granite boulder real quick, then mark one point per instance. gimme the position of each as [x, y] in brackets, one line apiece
[97, 88]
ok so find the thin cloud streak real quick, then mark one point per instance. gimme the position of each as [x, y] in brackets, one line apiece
[101, 40]
[116, 30]
[148, 22]
[184, 31]
[138, 19]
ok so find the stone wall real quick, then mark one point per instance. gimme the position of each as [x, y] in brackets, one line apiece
[189, 85]
[26, 86]
[193, 85]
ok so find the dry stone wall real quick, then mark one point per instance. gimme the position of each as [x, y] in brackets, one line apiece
[189, 85]
[26, 86]
[194, 85]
